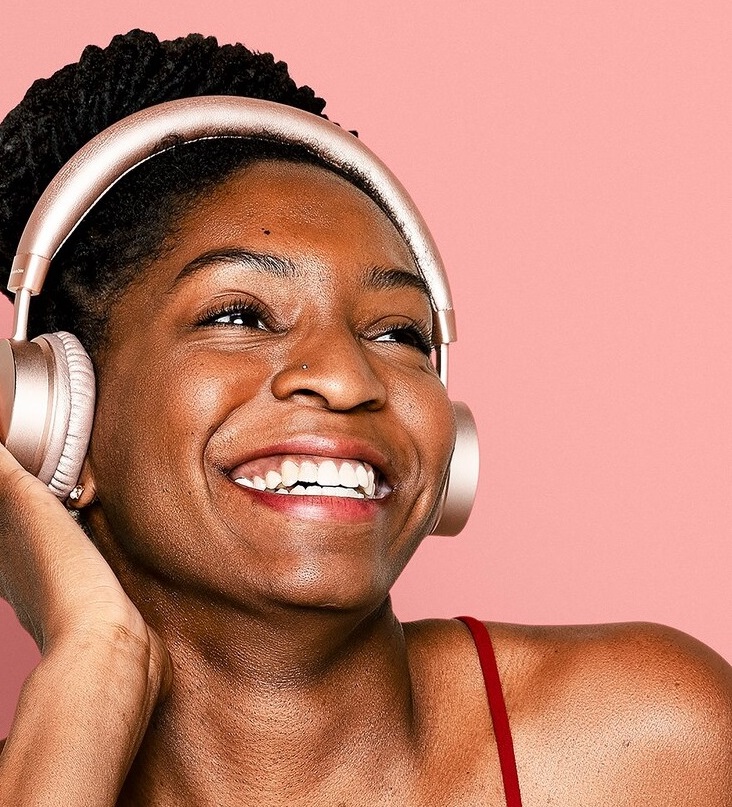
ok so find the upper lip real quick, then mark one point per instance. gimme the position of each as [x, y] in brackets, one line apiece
[326, 446]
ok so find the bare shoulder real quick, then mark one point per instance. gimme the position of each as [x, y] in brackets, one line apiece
[622, 659]
[623, 714]
[648, 707]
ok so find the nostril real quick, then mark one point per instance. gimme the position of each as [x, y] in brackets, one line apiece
[341, 380]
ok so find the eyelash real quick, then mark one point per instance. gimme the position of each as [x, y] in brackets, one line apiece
[418, 331]
[242, 308]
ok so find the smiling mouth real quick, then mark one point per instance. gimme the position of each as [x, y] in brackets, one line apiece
[298, 475]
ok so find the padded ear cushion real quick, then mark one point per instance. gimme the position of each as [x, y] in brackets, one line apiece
[74, 395]
[462, 480]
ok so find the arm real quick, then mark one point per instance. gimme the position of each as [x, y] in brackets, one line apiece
[83, 711]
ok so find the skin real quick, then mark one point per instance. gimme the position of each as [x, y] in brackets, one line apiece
[250, 655]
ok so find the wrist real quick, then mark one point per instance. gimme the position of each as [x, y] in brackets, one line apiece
[129, 651]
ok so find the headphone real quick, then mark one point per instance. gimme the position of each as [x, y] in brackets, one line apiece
[47, 386]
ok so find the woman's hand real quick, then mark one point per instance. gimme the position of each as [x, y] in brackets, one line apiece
[50, 572]
[84, 710]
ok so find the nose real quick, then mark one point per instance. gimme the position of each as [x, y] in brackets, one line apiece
[333, 368]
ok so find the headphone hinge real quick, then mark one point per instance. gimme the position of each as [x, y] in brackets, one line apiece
[28, 272]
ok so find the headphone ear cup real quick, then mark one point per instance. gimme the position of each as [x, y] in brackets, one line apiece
[462, 479]
[47, 394]
[68, 437]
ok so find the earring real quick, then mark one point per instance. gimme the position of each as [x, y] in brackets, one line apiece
[81, 496]
[76, 493]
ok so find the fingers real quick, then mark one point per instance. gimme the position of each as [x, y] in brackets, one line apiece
[20, 491]
[43, 552]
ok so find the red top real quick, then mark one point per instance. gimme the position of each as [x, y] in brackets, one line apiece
[497, 706]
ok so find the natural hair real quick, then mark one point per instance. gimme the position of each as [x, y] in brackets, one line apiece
[133, 223]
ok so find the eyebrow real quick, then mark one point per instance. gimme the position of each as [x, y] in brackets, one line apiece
[377, 277]
[282, 268]
[385, 277]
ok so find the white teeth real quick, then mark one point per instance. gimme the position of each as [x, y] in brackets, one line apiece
[362, 476]
[308, 472]
[272, 479]
[317, 490]
[328, 474]
[371, 487]
[352, 479]
[347, 476]
[289, 473]
[301, 490]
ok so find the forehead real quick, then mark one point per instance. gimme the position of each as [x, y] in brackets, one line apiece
[298, 209]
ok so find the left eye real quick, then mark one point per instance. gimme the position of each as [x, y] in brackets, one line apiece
[238, 314]
[246, 319]
[407, 336]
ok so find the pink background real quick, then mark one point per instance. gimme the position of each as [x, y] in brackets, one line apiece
[574, 160]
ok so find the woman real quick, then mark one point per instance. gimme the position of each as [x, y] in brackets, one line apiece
[217, 643]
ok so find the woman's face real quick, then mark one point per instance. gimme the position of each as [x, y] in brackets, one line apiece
[280, 344]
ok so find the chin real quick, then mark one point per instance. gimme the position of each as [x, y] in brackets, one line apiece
[332, 587]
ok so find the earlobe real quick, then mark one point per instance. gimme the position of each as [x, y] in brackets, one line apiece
[84, 492]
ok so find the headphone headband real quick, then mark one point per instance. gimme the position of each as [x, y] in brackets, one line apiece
[105, 159]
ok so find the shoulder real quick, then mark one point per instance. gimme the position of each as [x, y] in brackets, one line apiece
[647, 706]
[641, 666]
[620, 714]
[620, 658]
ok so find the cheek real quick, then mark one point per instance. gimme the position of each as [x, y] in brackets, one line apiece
[155, 413]
[153, 423]
[429, 418]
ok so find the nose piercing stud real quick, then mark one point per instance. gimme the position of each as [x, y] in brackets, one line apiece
[304, 367]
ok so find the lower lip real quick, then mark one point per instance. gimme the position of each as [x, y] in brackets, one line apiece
[317, 508]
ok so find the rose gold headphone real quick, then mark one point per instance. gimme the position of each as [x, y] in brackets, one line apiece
[47, 384]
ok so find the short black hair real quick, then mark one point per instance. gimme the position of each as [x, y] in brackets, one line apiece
[130, 226]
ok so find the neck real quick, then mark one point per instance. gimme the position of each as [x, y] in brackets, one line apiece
[272, 702]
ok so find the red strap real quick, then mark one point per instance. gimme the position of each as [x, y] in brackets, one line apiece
[497, 706]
